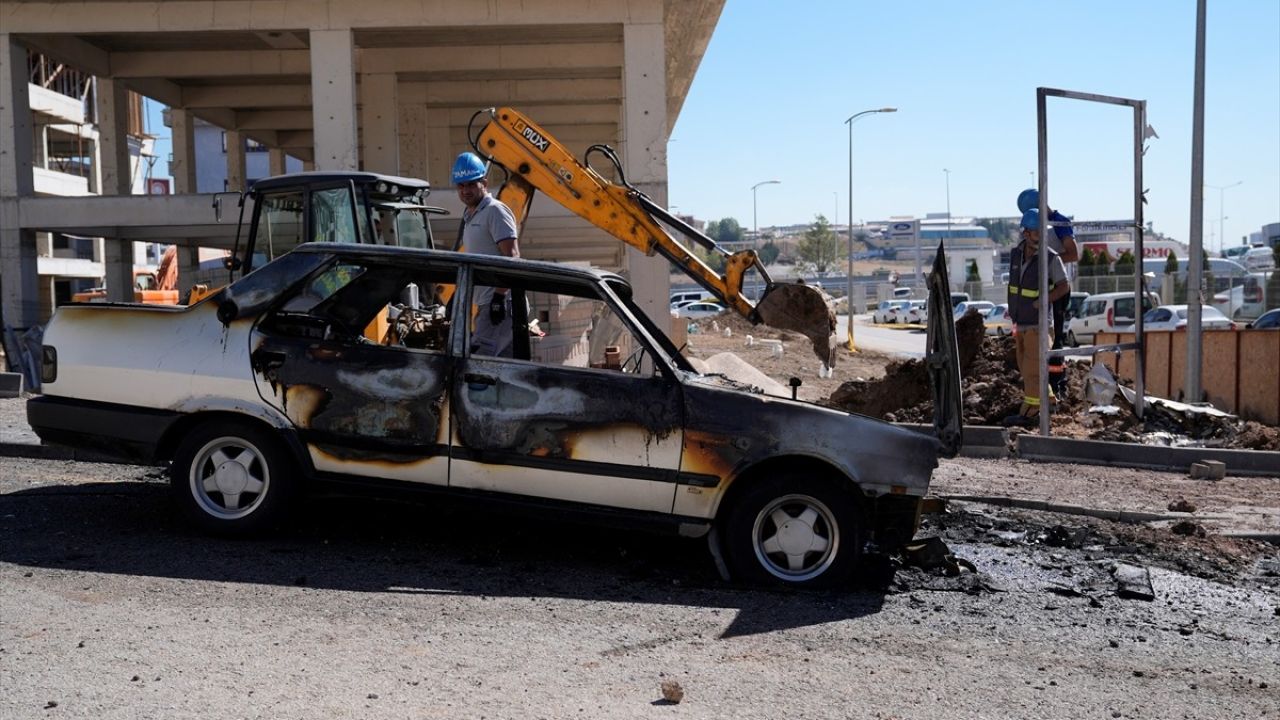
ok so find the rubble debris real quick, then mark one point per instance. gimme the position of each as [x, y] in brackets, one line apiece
[992, 391]
[1065, 537]
[1208, 470]
[1134, 582]
[672, 692]
[1182, 505]
[932, 553]
[1187, 528]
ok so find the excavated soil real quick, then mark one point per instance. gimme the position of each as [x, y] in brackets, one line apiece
[992, 391]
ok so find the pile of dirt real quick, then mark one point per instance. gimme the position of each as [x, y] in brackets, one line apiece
[992, 386]
[992, 391]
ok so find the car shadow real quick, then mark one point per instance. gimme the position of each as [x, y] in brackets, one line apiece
[431, 545]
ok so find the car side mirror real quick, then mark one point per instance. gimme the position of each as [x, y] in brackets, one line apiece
[232, 263]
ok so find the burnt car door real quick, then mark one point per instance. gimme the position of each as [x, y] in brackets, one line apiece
[942, 359]
[578, 413]
[362, 407]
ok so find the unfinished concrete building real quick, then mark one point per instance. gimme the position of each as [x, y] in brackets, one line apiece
[383, 86]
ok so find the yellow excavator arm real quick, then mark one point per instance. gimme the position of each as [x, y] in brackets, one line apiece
[535, 161]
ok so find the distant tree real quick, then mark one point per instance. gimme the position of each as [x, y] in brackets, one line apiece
[769, 252]
[819, 247]
[1125, 263]
[725, 230]
[1088, 261]
[1171, 264]
[971, 274]
[714, 260]
[1002, 231]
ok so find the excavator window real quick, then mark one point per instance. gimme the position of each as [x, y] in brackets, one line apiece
[332, 216]
[279, 226]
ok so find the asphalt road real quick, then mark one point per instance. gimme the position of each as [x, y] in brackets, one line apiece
[904, 343]
[363, 609]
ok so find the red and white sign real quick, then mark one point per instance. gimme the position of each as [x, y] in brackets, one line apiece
[158, 186]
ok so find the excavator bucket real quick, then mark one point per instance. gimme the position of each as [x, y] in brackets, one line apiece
[802, 309]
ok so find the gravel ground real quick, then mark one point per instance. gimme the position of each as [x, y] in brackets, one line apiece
[366, 609]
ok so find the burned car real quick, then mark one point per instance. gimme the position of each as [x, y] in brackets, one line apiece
[342, 365]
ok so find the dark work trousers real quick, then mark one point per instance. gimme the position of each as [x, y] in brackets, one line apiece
[1057, 365]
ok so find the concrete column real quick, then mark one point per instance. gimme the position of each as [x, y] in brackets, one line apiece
[333, 99]
[236, 173]
[379, 120]
[113, 138]
[18, 272]
[183, 169]
[275, 162]
[183, 165]
[644, 152]
[40, 153]
[413, 140]
[115, 178]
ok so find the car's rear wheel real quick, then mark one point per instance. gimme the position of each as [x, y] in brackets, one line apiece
[232, 478]
[796, 530]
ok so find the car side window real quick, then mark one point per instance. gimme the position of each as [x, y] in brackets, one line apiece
[382, 304]
[567, 323]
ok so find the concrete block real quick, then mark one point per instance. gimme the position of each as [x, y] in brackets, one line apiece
[10, 385]
[1153, 457]
[1208, 470]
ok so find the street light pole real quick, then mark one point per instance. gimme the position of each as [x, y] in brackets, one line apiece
[1222, 230]
[755, 223]
[848, 291]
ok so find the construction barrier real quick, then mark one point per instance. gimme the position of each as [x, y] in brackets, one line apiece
[1240, 369]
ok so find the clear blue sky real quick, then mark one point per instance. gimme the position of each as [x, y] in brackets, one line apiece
[778, 80]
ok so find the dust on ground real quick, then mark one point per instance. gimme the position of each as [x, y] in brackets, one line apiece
[797, 358]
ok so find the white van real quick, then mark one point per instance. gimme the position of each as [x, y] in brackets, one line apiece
[1104, 313]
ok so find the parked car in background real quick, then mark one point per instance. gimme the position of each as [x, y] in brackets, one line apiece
[1104, 312]
[269, 389]
[1259, 258]
[1174, 317]
[903, 293]
[982, 307]
[684, 297]
[918, 313]
[998, 321]
[957, 298]
[1269, 320]
[887, 310]
[1075, 303]
[699, 310]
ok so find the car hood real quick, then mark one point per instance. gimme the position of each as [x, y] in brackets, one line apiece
[942, 360]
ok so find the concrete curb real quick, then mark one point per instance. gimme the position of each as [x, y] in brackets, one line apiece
[1124, 516]
[980, 441]
[1148, 457]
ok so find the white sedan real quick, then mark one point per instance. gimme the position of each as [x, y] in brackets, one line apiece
[890, 311]
[699, 310]
[998, 321]
[1174, 317]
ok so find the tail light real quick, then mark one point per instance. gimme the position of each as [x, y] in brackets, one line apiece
[48, 363]
[1111, 317]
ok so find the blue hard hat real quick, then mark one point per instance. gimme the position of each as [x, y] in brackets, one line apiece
[468, 168]
[1027, 199]
[1031, 219]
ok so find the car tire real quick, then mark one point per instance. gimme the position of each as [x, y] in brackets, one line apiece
[231, 478]
[795, 530]
[1071, 339]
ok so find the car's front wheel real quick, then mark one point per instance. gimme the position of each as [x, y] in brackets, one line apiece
[232, 478]
[794, 529]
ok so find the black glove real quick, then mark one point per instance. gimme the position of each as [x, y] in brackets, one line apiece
[497, 309]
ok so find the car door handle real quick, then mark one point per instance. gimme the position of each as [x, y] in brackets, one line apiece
[476, 379]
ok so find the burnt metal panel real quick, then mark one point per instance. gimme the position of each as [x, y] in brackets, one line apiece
[356, 401]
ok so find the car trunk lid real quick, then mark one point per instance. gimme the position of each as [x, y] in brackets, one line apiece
[942, 361]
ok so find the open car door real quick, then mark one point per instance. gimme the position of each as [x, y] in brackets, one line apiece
[943, 361]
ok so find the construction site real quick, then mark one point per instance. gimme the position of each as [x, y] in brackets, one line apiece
[384, 403]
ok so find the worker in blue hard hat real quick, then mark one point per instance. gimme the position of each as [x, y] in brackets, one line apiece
[1061, 238]
[488, 228]
[1024, 309]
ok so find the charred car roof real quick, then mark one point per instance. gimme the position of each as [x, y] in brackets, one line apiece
[392, 253]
